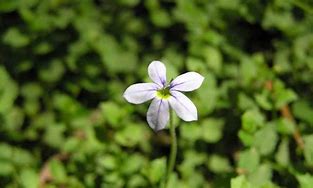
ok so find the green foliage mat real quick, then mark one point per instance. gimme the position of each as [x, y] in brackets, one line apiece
[64, 65]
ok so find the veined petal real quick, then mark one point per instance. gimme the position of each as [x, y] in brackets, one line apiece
[183, 106]
[157, 72]
[158, 114]
[187, 82]
[139, 93]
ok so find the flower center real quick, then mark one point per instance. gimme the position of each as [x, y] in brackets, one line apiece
[164, 93]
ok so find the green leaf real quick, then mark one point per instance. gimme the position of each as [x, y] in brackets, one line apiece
[208, 90]
[190, 162]
[57, 170]
[16, 156]
[8, 6]
[282, 20]
[173, 57]
[156, 170]
[14, 119]
[213, 58]
[137, 181]
[282, 155]
[8, 90]
[130, 135]
[173, 181]
[245, 102]
[219, 164]
[192, 15]
[29, 178]
[71, 145]
[116, 53]
[43, 48]
[112, 113]
[251, 120]
[108, 162]
[285, 126]
[282, 61]
[266, 139]
[282, 95]
[308, 149]
[54, 135]
[31, 91]
[190, 132]
[302, 110]
[305, 180]
[246, 138]
[212, 130]
[264, 100]
[285, 97]
[7, 168]
[52, 72]
[248, 70]
[66, 104]
[22, 157]
[240, 182]
[195, 64]
[261, 176]
[130, 3]
[160, 18]
[132, 164]
[15, 38]
[114, 180]
[249, 160]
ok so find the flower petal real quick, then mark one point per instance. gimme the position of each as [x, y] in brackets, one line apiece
[139, 93]
[158, 114]
[157, 72]
[183, 106]
[187, 82]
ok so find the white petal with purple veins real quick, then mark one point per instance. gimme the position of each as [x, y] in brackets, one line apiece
[187, 82]
[142, 92]
[157, 72]
[183, 106]
[158, 114]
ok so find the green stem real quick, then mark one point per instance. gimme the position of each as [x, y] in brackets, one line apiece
[172, 158]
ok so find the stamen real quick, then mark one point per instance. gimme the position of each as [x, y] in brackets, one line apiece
[164, 93]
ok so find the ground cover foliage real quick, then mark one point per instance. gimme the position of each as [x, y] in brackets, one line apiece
[64, 65]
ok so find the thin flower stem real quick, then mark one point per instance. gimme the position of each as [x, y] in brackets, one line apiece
[172, 157]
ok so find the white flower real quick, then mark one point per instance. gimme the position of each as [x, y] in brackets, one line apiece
[165, 96]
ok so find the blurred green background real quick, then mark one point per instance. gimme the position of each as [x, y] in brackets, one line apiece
[64, 65]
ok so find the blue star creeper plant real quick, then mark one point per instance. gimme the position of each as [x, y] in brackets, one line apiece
[166, 96]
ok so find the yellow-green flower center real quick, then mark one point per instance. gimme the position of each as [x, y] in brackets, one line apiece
[164, 93]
